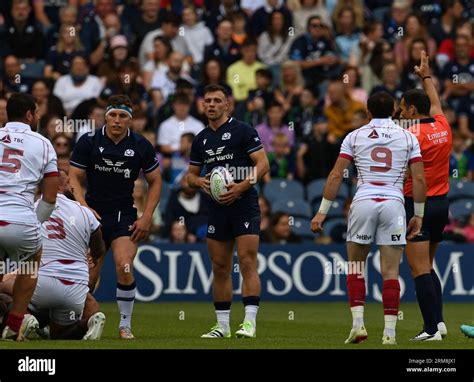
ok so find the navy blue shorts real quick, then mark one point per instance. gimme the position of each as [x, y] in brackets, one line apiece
[434, 220]
[226, 226]
[117, 224]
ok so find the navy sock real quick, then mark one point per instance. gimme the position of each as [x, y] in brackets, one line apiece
[439, 296]
[426, 295]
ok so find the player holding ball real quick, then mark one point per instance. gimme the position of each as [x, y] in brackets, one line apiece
[235, 217]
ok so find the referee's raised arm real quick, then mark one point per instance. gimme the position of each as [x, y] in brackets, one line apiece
[423, 71]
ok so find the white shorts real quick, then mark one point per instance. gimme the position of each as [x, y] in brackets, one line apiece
[382, 222]
[19, 242]
[64, 301]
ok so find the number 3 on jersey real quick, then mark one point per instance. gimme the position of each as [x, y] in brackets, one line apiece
[381, 155]
[8, 160]
[56, 226]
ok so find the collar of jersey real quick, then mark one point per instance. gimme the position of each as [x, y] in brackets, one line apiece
[226, 122]
[382, 122]
[17, 125]
[105, 135]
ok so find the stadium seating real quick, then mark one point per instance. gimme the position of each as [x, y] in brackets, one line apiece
[298, 208]
[278, 189]
[314, 191]
[302, 228]
[329, 225]
[459, 189]
[165, 195]
[461, 208]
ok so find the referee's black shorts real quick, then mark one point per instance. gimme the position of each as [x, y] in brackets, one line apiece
[434, 220]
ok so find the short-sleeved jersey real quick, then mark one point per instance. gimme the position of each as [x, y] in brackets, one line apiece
[229, 146]
[66, 235]
[25, 159]
[435, 139]
[382, 152]
[112, 168]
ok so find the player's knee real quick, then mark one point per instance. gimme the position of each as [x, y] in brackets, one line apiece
[248, 266]
[124, 267]
[221, 271]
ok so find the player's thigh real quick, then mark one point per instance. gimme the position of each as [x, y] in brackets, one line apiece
[221, 253]
[247, 249]
[19, 242]
[391, 227]
[390, 256]
[362, 222]
[357, 252]
[117, 225]
[124, 251]
[219, 226]
[71, 305]
[48, 293]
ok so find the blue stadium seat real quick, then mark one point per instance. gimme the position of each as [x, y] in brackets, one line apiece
[330, 224]
[298, 208]
[165, 195]
[336, 210]
[461, 208]
[459, 189]
[302, 228]
[314, 191]
[279, 189]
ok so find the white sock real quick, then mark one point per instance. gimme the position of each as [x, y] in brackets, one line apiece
[125, 300]
[390, 324]
[223, 319]
[357, 316]
[251, 314]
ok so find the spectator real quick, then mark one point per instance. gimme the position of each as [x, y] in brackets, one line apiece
[350, 79]
[316, 155]
[179, 234]
[446, 51]
[341, 111]
[62, 145]
[265, 212]
[306, 9]
[180, 159]
[413, 29]
[47, 102]
[396, 20]
[279, 231]
[461, 162]
[239, 24]
[219, 11]
[241, 75]
[169, 29]
[181, 122]
[348, 35]
[274, 125]
[260, 98]
[13, 80]
[306, 111]
[196, 34]
[109, 69]
[314, 52]
[274, 44]
[391, 82]
[281, 159]
[409, 80]
[146, 23]
[373, 65]
[23, 37]
[357, 6]
[291, 85]
[67, 17]
[371, 35]
[50, 125]
[77, 86]
[58, 60]
[159, 63]
[444, 27]
[261, 17]
[226, 50]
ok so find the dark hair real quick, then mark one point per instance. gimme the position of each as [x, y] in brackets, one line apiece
[267, 73]
[117, 100]
[215, 88]
[419, 99]
[166, 42]
[249, 41]
[189, 136]
[314, 90]
[181, 98]
[381, 105]
[18, 105]
[310, 20]
[205, 77]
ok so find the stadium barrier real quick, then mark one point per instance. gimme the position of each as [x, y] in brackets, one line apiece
[167, 272]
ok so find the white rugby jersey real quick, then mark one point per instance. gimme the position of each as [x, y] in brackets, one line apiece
[382, 152]
[66, 235]
[26, 158]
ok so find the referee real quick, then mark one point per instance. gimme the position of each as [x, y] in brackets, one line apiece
[111, 160]
[434, 135]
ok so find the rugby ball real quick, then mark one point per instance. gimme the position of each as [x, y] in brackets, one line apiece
[219, 179]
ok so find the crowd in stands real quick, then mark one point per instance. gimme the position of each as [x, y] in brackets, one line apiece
[299, 71]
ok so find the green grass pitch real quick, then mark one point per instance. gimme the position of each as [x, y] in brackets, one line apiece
[280, 325]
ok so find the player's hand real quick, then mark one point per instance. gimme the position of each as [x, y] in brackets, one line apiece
[140, 229]
[233, 193]
[424, 69]
[205, 184]
[317, 222]
[414, 227]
